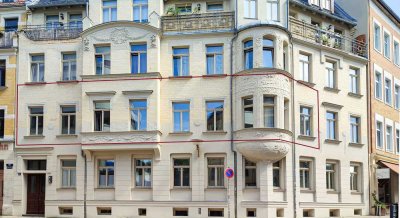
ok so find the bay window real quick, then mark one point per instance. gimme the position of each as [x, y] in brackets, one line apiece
[248, 111]
[248, 54]
[269, 111]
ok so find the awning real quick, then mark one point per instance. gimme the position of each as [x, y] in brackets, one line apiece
[393, 167]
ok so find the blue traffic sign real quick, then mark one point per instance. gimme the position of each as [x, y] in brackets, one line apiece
[229, 173]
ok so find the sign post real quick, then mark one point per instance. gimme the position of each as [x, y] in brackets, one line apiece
[229, 173]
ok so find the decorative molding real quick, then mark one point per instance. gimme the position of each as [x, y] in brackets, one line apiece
[119, 36]
[101, 93]
[332, 105]
[137, 92]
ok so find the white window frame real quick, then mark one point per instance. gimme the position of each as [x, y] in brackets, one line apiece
[302, 171]
[396, 52]
[249, 167]
[355, 125]
[389, 138]
[397, 138]
[305, 76]
[141, 5]
[377, 39]
[215, 185]
[102, 115]
[387, 51]
[214, 56]
[138, 109]
[331, 176]
[244, 111]
[270, 4]
[68, 169]
[356, 174]
[354, 80]
[397, 95]
[335, 122]
[388, 91]
[181, 172]
[105, 167]
[214, 111]
[69, 62]
[109, 8]
[103, 55]
[69, 119]
[331, 75]
[142, 168]
[37, 117]
[379, 120]
[247, 14]
[269, 106]
[36, 64]
[303, 124]
[378, 71]
[181, 115]
[278, 166]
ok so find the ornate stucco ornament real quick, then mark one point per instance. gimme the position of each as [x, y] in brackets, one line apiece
[119, 36]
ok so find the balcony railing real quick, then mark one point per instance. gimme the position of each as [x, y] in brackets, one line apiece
[8, 3]
[205, 22]
[312, 33]
[44, 33]
[6, 39]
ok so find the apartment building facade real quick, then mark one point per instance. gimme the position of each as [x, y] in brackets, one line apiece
[136, 108]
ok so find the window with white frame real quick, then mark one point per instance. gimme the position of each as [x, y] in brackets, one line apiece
[103, 60]
[181, 167]
[397, 141]
[386, 45]
[248, 54]
[109, 10]
[277, 174]
[328, 5]
[215, 59]
[250, 173]
[248, 112]
[138, 109]
[354, 177]
[377, 36]
[53, 22]
[269, 111]
[36, 120]
[330, 75]
[305, 174]
[69, 66]
[388, 91]
[138, 58]
[397, 96]
[330, 168]
[354, 81]
[106, 173]
[273, 10]
[305, 69]
[354, 129]
[68, 173]
[215, 115]
[68, 119]
[331, 125]
[378, 85]
[102, 116]
[315, 2]
[184, 8]
[143, 172]
[215, 171]
[250, 8]
[389, 138]
[37, 68]
[181, 61]
[75, 20]
[140, 11]
[396, 53]
[305, 121]
[379, 134]
[181, 111]
[268, 53]
[215, 6]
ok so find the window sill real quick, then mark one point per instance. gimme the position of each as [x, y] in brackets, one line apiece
[142, 188]
[332, 192]
[307, 191]
[104, 188]
[214, 76]
[34, 136]
[279, 190]
[3, 88]
[215, 132]
[215, 188]
[356, 144]
[306, 137]
[332, 141]
[67, 136]
[181, 189]
[67, 81]
[307, 83]
[329, 89]
[35, 83]
[180, 77]
[355, 95]
[356, 193]
[251, 188]
[66, 188]
[181, 133]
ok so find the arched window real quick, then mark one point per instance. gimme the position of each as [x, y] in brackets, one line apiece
[248, 54]
[268, 53]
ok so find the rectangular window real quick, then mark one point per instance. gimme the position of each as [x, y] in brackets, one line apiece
[2, 73]
[181, 61]
[37, 68]
[354, 129]
[378, 85]
[140, 11]
[397, 141]
[143, 173]
[315, 2]
[250, 8]
[386, 46]
[139, 58]
[248, 113]
[328, 4]
[389, 138]
[52, 22]
[184, 9]
[36, 120]
[269, 111]
[215, 166]
[68, 171]
[388, 91]
[102, 116]
[109, 10]
[215, 6]
[305, 121]
[305, 174]
[103, 60]
[276, 174]
[138, 114]
[377, 37]
[215, 115]
[75, 21]
[36, 164]
[331, 119]
[379, 134]
[268, 53]
[273, 10]
[215, 60]
[397, 96]
[354, 177]
[69, 66]
[330, 75]
[68, 120]
[106, 173]
[181, 116]
[396, 53]
[305, 73]
[2, 121]
[181, 172]
[354, 81]
[11, 24]
[248, 55]
[250, 173]
[330, 176]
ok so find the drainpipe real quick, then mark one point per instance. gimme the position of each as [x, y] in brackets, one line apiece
[85, 189]
[293, 134]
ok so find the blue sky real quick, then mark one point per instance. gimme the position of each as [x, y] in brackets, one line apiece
[395, 5]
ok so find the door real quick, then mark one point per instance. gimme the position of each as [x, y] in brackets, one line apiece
[36, 193]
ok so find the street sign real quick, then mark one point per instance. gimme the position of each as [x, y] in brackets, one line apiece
[383, 173]
[229, 173]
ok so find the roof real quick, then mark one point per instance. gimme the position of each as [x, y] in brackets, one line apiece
[54, 3]
[389, 10]
[338, 14]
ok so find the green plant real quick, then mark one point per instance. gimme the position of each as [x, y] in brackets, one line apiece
[378, 203]
[172, 11]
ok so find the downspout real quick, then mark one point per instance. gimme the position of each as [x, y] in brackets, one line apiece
[85, 188]
[293, 136]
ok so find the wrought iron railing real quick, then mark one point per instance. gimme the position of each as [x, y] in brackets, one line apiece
[6, 39]
[221, 21]
[311, 33]
[44, 33]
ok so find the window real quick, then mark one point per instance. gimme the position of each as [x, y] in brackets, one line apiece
[11, 24]
[389, 138]
[397, 141]
[250, 173]
[66, 210]
[396, 52]
[273, 10]
[215, 166]
[354, 129]
[109, 10]
[103, 60]
[102, 116]
[379, 135]
[251, 212]
[69, 66]
[181, 61]
[36, 120]
[215, 6]
[305, 73]
[215, 212]
[53, 22]
[386, 46]
[139, 58]
[140, 11]
[354, 81]
[2, 121]
[377, 37]
[181, 172]
[75, 20]
[330, 75]
[397, 96]
[276, 177]
[378, 85]
[180, 212]
[269, 111]
[138, 114]
[68, 171]
[181, 116]
[36, 164]
[315, 2]
[331, 125]
[305, 121]
[328, 4]
[215, 115]
[184, 9]
[305, 174]
[388, 91]
[104, 211]
[330, 176]
[37, 68]
[2, 73]
[215, 60]
[248, 55]
[142, 211]
[248, 115]
[106, 173]
[143, 173]
[250, 8]
[354, 175]
[68, 120]
[268, 53]
[286, 116]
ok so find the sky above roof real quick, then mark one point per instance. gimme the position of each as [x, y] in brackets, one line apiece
[395, 5]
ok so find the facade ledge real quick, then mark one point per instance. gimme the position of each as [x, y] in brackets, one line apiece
[3, 88]
[101, 93]
[332, 105]
[67, 81]
[209, 76]
[325, 205]
[263, 70]
[332, 141]
[6, 140]
[356, 193]
[105, 188]
[142, 188]
[332, 192]
[181, 133]
[306, 137]
[355, 95]
[309, 84]
[356, 144]
[263, 203]
[34, 136]
[278, 130]
[215, 132]
[215, 188]
[329, 89]
[137, 92]
[35, 83]
[307, 191]
[180, 77]
[66, 189]
[181, 189]
[67, 136]
[279, 190]
[122, 76]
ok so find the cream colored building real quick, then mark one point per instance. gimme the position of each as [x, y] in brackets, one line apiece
[135, 108]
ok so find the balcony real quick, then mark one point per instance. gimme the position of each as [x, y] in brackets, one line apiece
[12, 3]
[326, 38]
[6, 39]
[46, 33]
[206, 22]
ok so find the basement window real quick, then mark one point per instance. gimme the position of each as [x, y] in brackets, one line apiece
[251, 212]
[181, 212]
[65, 210]
[215, 212]
[142, 211]
[104, 211]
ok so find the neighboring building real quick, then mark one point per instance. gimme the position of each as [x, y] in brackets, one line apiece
[12, 19]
